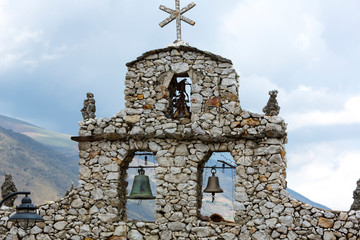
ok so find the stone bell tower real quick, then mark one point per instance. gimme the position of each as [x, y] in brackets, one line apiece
[182, 105]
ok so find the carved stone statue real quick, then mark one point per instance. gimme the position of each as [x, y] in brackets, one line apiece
[88, 111]
[7, 188]
[356, 196]
[272, 107]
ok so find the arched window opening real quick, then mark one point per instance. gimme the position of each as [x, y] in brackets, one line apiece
[179, 97]
[141, 188]
[217, 174]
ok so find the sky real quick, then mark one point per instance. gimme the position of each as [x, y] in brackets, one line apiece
[53, 52]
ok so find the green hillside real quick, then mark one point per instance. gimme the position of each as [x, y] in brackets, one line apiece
[35, 167]
[57, 141]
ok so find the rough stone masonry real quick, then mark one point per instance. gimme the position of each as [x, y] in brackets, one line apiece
[96, 209]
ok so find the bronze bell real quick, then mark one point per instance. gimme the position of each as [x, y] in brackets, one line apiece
[213, 185]
[141, 187]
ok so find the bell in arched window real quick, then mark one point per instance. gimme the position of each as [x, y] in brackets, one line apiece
[213, 185]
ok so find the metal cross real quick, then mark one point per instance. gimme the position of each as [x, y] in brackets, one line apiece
[178, 15]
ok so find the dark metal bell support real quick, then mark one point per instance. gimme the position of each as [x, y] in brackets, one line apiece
[213, 185]
[141, 187]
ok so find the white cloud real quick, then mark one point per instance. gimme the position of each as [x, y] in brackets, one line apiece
[326, 173]
[294, 43]
[304, 106]
[349, 114]
[267, 35]
[254, 92]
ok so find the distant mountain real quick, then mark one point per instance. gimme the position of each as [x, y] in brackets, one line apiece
[300, 197]
[35, 167]
[56, 141]
[41, 161]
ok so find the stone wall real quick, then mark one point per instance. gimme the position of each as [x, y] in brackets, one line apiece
[96, 209]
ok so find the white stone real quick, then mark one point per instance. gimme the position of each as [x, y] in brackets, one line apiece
[176, 226]
[241, 196]
[260, 236]
[107, 217]
[77, 203]
[93, 210]
[35, 230]
[286, 220]
[180, 67]
[228, 82]
[113, 176]
[104, 160]
[181, 150]
[203, 231]
[154, 147]
[160, 106]
[97, 194]
[196, 98]
[136, 131]
[113, 167]
[135, 235]
[228, 236]
[176, 217]
[329, 236]
[84, 172]
[85, 230]
[109, 129]
[42, 237]
[120, 230]
[60, 225]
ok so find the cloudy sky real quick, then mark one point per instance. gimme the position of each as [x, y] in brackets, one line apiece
[53, 52]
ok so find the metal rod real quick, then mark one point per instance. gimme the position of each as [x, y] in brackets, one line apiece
[11, 195]
[232, 167]
[226, 163]
[222, 167]
[142, 166]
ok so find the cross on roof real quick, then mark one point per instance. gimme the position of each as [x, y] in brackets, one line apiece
[178, 15]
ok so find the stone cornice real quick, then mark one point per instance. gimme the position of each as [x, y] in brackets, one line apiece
[189, 137]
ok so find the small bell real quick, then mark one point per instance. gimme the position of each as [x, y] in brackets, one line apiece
[141, 187]
[213, 185]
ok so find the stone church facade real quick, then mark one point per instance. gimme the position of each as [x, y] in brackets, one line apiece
[182, 136]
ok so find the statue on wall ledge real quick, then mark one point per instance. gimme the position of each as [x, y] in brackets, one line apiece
[272, 107]
[88, 111]
[7, 188]
[356, 195]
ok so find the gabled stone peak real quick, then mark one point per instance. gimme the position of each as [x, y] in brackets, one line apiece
[180, 48]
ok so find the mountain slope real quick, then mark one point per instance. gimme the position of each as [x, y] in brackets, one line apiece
[57, 141]
[35, 167]
[304, 199]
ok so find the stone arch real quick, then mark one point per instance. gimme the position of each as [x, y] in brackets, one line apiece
[205, 157]
[129, 149]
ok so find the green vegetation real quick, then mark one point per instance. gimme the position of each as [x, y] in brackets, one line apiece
[56, 141]
[35, 167]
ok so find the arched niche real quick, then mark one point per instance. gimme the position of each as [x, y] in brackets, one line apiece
[132, 209]
[178, 87]
[223, 204]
